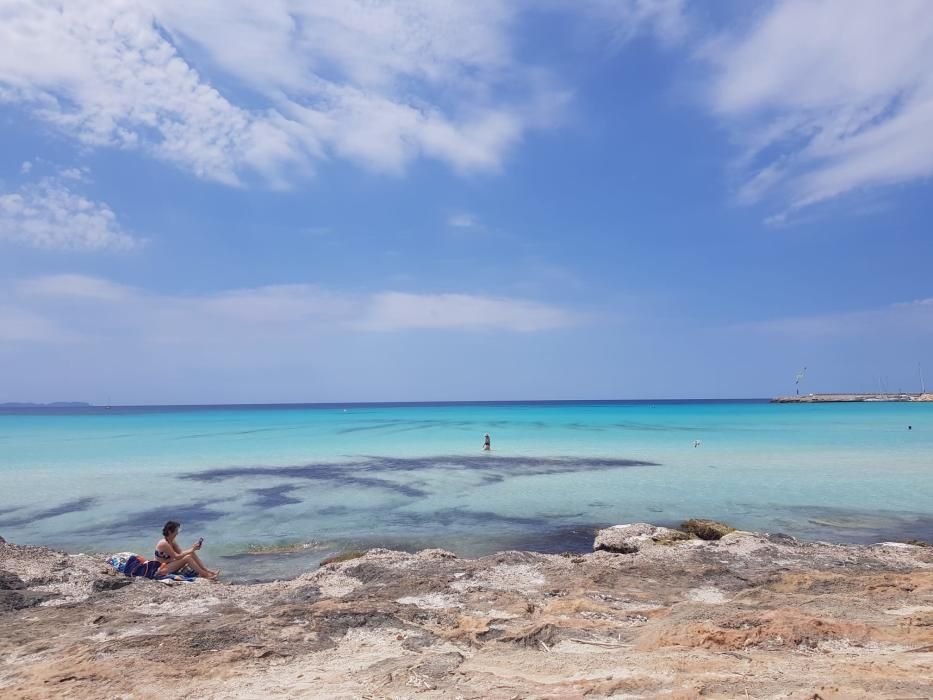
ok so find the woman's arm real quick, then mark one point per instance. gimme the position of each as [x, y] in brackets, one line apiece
[171, 550]
[182, 552]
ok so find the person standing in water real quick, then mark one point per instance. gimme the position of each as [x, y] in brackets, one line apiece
[486, 444]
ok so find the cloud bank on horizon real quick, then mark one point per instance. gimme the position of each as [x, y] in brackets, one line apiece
[314, 112]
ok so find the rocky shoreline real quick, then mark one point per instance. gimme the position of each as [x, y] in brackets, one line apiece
[652, 612]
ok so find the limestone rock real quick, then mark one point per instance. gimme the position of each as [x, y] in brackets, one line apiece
[110, 583]
[436, 554]
[706, 529]
[19, 599]
[10, 581]
[627, 539]
[305, 594]
[342, 557]
[439, 665]
[511, 624]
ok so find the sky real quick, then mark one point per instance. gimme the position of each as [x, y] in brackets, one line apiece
[423, 200]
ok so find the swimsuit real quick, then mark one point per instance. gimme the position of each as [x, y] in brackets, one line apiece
[165, 558]
[186, 570]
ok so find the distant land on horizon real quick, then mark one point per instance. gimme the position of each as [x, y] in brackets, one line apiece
[344, 404]
[53, 404]
[835, 397]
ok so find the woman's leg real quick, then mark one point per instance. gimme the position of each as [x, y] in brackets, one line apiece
[187, 560]
[197, 560]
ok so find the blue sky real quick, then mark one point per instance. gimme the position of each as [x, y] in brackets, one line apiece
[431, 200]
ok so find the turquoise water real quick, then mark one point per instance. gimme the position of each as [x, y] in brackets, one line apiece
[322, 479]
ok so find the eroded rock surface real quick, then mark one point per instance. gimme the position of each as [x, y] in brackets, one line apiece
[628, 539]
[706, 529]
[746, 616]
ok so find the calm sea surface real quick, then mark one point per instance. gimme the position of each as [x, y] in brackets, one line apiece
[318, 479]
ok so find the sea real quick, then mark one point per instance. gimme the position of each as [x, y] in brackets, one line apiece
[275, 489]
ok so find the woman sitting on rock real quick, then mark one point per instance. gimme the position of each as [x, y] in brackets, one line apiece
[174, 559]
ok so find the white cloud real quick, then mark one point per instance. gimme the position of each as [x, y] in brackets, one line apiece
[25, 167]
[386, 135]
[895, 321]
[49, 215]
[370, 45]
[76, 174]
[462, 220]
[828, 96]
[103, 72]
[347, 78]
[18, 325]
[232, 89]
[295, 303]
[379, 84]
[623, 21]
[397, 311]
[270, 315]
[71, 286]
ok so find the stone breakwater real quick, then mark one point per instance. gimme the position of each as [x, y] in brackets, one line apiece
[850, 398]
[651, 613]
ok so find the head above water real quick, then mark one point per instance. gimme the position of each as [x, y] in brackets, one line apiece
[171, 528]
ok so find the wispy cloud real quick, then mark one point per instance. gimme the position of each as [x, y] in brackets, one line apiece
[623, 21]
[381, 84]
[462, 220]
[76, 174]
[49, 215]
[72, 286]
[275, 304]
[104, 73]
[18, 325]
[279, 314]
[391, 311]
[912, 317]
[827, 97]
[347, 78]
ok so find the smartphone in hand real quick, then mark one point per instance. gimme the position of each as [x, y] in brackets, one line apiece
[200, 541]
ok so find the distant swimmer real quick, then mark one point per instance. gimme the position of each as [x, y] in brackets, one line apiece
[697, 443]
[487, 445]
[910, 427]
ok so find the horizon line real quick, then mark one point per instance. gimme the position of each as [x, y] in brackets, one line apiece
[329, 404]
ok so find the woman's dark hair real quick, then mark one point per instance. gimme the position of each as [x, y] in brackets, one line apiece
[170, 527]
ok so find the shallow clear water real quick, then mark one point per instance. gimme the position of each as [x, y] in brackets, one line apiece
[321, 479]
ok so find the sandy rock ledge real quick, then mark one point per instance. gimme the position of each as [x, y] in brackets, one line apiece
[749, 615]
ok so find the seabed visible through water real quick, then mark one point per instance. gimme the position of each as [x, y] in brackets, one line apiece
[274, 489]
